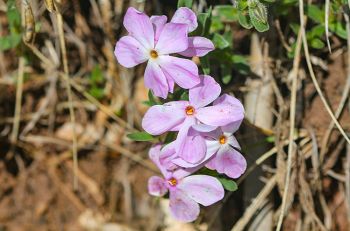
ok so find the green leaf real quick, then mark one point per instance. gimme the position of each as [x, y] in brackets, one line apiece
[205, 65]
[10, 41]
[244, 19]
[220, 42]
[184, 3]
[226, 74]
[97, 92]
[226, 13]
[339, 29]
[96, 76]
[315, 13]
[140, 136]
[258, 16]
[204, 22]
[317, 43]
[228, 184]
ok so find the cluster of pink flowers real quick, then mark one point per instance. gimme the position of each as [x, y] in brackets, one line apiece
[205, 123]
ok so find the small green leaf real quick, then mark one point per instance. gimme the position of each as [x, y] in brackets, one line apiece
[258, 12]
[317, 43]
[244, 19]
[96, 76]
[184, 3]
[315, 13]
[258, 16]
[205, 65]
[228, 184]
[220, 42]
[140, 136]
[226, 12]
[97, 92]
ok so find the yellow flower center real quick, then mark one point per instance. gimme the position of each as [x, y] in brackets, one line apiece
[222, 139]
[189, 110]
[153, 54]
[172, 181]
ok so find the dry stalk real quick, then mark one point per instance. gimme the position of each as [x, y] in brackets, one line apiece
[69, 94]
[294, 76]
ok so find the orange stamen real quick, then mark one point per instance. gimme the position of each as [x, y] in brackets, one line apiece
[172, 181]
[189, 110]
[154, 54]
[222, 139]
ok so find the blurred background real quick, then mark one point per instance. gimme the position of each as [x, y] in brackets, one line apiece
[63, 95]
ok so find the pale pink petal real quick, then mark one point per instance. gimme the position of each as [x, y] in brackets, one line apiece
[231, 140]
[219, 115]
[205, 190]
[158, 25]
[157, 186]
[193, 149]
[156, 80]
[211, 164]
[171, 84]
[172, 39]
[183, 71]
[182, 207]
[168, 153]
[186, 16]
[161, 118]
[203, 127]
[183, 172]
[140, 27]
[232, 127]
[154, 155]
[198, 46]
[204, 93]
[212, 147]
[228, 99]
[129, 52]
[183, 133]
[230, 162]
[215, 134]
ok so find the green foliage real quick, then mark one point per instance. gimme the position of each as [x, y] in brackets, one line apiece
[140, 136]
[184, 3]
[152, 100]
[14, 20]
[228, 184]
[96, 81]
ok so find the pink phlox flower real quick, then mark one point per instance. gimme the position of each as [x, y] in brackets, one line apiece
[197, 45]
[187, 117]
[153, 40]
[221, 154]
[185, 192]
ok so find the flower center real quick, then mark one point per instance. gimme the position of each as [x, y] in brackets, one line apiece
[172, 181]
[222, 139]
[153, 54]
[189, 110]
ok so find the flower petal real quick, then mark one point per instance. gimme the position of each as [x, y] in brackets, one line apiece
[186, 16]
[219, 115]
[232, 127]
[205, 190]
[154, 155]
[198, 46]
[172, 39]
[230, 162]
[183, 71]
[228, 99]
[156, 80]
[203, 127]
[204, 93]
[140, 27]
[231, 140]
[182, 207]
[212, 147]
[168, 153]
[158, 25]
[129, 52]
[193, 149]
[157, 186]
[161, 118]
